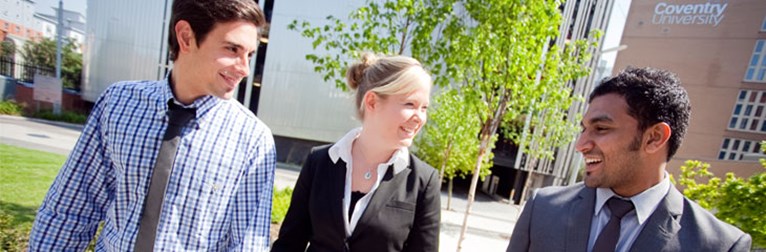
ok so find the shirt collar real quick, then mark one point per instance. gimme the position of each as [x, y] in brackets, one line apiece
[645, 202]
[203, 104]
[342, 150]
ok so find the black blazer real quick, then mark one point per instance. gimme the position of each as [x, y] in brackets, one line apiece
[403, 214]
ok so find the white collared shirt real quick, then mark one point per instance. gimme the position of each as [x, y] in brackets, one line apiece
[342, 150]
[632, 223]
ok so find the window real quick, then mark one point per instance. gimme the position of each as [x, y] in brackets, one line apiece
[756, 69]
[741, 149]
[749, 113]
[763, 25]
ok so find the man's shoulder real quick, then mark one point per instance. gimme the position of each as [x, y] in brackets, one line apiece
[694, 214]
[560, 193]
[245, 116]
[132, 85]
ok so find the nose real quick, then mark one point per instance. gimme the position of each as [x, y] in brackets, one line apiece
[243, 65]
[583, 144]
[420, 116]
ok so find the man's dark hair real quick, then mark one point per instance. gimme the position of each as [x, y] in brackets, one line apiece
[653, 96]
[202, 15]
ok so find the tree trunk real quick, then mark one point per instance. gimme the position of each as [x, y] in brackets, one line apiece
[488, 129]
[472, 189]
[449, 194]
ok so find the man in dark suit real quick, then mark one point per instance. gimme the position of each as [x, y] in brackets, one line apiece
[634, 124]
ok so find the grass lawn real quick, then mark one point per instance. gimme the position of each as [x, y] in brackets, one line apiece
[25, 176]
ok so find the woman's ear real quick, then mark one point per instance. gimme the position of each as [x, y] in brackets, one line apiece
[656, 137]
[371, 100]
[185, 36]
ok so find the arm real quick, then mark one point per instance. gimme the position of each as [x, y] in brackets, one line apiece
[743, 244]
[251, 223]
[520, 237]
[424, 235]
[76, 201]
[295, 232]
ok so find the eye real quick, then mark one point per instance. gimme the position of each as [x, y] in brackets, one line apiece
[250, 55]
[232, 49]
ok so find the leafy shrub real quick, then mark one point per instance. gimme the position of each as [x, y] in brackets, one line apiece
[735, 200]
[280, 203]
[13, 237]
[65, 116]
[10, 108]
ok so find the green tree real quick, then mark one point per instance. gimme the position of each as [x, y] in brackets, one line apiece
[388, 27]
[735, 200]
[495, 51]
[42, 53]
[7, 49]
[498, 51]
[449, 140]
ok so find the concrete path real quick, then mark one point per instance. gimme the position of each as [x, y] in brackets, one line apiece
[489, 225]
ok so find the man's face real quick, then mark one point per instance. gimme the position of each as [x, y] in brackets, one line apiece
[221, 61]
[610, 143]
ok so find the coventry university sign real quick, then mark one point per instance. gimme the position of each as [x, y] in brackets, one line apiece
[688, 14]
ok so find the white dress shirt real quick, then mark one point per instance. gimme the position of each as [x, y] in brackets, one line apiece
[632, 223]
[342, 150]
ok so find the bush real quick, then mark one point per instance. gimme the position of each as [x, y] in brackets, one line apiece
[13, 237]
[65, 116]
[737, 201]
[279, 204]
[10, 108]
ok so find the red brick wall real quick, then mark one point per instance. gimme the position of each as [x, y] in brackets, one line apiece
[69, 102]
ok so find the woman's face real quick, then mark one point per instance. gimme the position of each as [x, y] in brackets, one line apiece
[397, 119]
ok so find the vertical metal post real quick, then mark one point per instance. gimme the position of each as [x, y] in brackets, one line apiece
[59, 37]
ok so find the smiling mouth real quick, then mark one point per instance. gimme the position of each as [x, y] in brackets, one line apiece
[231, 80]
[591, 161]
[409, 131]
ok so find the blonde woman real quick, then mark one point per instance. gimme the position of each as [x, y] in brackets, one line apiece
[367, 192]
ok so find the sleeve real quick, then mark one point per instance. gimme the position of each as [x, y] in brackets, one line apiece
[296, 229]
[251, 222]
[424, 235]
[742, 244]
[520, 239]
[76, 201]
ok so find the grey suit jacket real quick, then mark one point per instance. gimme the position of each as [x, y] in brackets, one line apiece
[559, 219]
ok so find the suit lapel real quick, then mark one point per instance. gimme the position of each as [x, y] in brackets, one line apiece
[382, 195]
[662, 225]
[339, 182]
[578, 224]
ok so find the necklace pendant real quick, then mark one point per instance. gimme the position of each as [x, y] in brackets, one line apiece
[367, 175]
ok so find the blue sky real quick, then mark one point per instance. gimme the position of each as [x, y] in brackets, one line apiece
[46, 6]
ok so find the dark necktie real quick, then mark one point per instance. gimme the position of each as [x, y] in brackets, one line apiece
[147, 230]
[607, 239]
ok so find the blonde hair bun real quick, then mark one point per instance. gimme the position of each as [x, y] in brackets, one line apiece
[355, 73]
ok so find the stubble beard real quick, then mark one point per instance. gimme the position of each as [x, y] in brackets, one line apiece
[621, 171]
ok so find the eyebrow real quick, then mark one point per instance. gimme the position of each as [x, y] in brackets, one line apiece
[238, 46]
[597, 119]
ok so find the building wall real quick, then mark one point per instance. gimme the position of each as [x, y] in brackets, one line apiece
[295, 101]
[125, 41]
[19, 12]
[710, 50]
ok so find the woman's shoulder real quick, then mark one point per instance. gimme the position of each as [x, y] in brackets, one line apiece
[421, 167]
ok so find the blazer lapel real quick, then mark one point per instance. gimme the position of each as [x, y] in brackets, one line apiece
[388, 186]
[578, 224]
[662, 225]
[339, 182]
